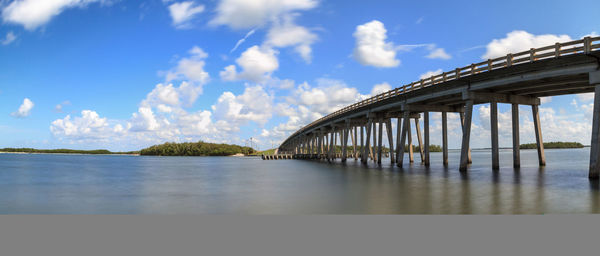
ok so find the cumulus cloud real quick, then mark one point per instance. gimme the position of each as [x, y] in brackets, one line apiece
[85, 127]
[257, 64]
[431, 73]
[519, 40]
[438, 53]
[10, 37]
[25, 109]
[32, 14]
[255, 104]
[371, 48]
[239, 14]
[308, 103]
[288, 34]
[182, 13]
[190, 71]
[380, 88]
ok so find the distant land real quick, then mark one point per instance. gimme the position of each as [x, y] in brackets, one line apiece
[556, 144]
[65, 151]
[213, 149]
[199, 148]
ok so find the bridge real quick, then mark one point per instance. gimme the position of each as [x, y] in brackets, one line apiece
[517, 79]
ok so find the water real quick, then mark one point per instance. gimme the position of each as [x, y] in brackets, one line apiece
[87, 184]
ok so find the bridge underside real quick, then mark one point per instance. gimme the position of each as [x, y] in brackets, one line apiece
[361, 130]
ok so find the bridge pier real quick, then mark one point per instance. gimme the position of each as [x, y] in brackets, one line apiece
[410, 147]
[462, 123]
[515, 136]
[402, 137]
[538, 135]
[380, 142]
[445, 138]
[420, 139]
[594, 172]
[367, 145]
[374, 136]
[464, 149]
[494, 128]
[426, 133]
[388, 126]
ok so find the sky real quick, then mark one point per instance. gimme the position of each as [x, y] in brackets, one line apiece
[123, 75]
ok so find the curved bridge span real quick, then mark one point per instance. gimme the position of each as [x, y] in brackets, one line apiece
[516, 79]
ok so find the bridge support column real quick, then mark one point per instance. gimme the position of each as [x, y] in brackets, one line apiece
[426, 133]
[595, 149]
[402, 137]
[354, 140]
[445, 138]
[345, 132]
[374, 135]
[420, 139]
[538, 135]
[464, 150]
[462, 123]
[494, 128]
[362, 140]
[515, 134]
[388, 126]
[410, 147]
[380, 142]
[367, 145]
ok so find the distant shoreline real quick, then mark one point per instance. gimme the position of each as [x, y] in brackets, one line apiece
[42, 153]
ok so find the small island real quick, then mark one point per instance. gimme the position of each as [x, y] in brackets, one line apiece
[549, 145]
[199, 148]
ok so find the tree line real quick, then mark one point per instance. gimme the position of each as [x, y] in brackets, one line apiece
[199, 148]
[555, 144]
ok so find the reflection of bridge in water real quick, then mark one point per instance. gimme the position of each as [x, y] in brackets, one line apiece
[516, 79]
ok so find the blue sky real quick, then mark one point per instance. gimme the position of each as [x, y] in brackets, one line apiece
[124, 74]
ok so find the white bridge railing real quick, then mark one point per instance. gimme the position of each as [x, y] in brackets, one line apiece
[585, 45]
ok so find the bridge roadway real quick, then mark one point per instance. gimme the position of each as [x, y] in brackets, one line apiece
[516, 79]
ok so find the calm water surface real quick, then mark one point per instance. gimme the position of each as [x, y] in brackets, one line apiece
[85, 184]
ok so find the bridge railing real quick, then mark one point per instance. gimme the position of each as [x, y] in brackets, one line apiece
[584, 45]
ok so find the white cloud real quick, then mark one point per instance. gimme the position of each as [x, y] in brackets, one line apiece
[257, 64]
[307, 103]
[34, 13]
[544, 100]
[429, 74]
[10, 37]
[89, 126]
[380, 88]
[519, 40]
[190, 68]
[371, 47]
[253, 105]
[586, 96]
[59, 107]
[239, 14]
[182, 13]
[190, 71]
[25, 109]
[438, 53]
[288, 34]
[144, 120]
[241, 41]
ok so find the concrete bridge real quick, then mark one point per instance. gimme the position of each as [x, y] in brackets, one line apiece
[516, 79]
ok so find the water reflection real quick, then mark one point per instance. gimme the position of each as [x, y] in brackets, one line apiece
[179, 185]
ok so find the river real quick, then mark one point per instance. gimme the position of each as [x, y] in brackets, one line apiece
[120, 184]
